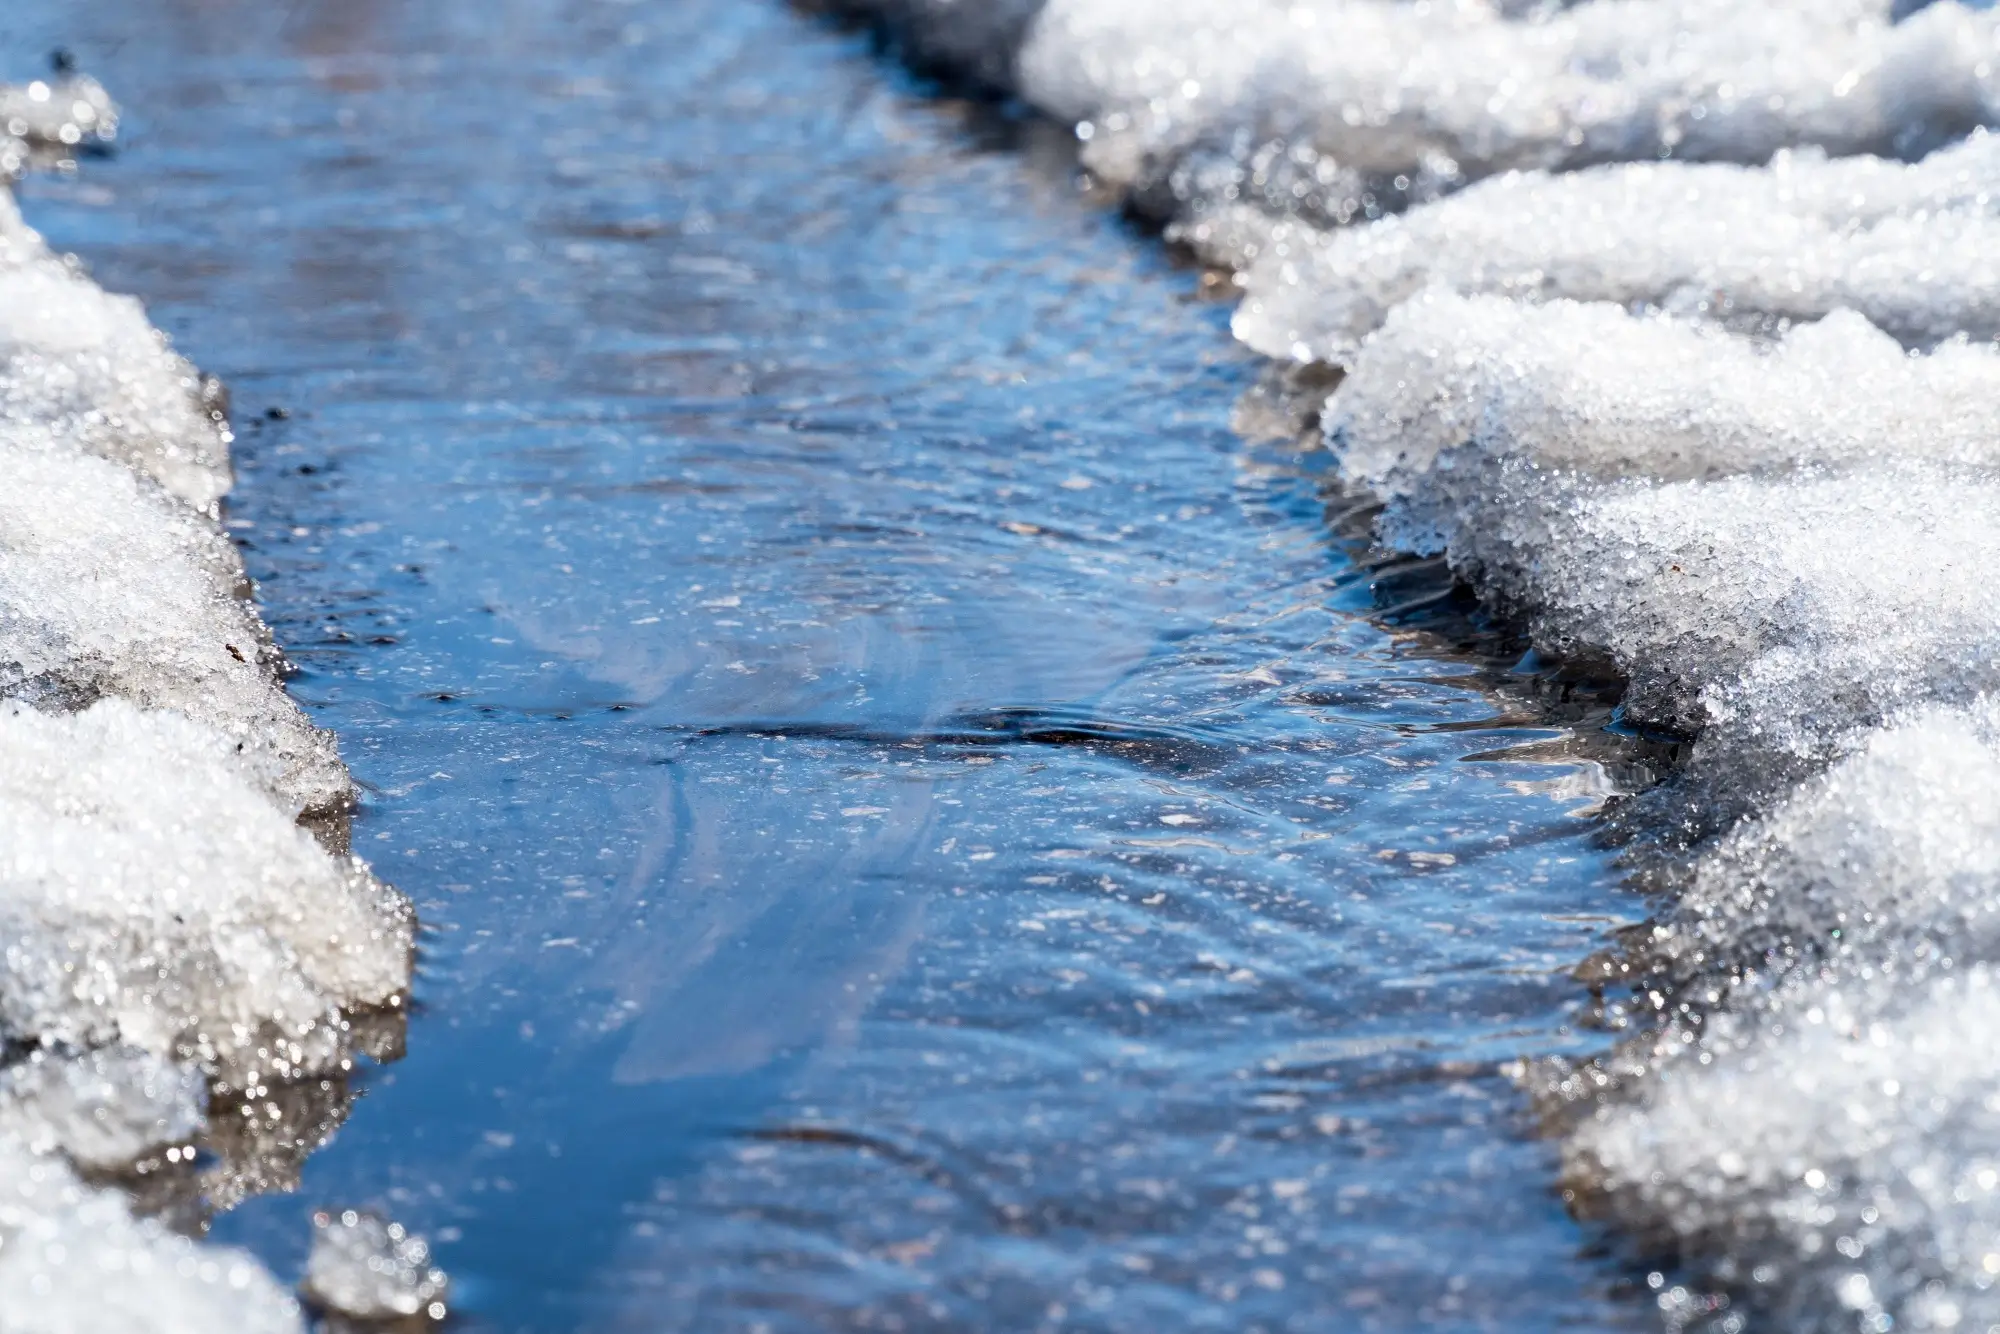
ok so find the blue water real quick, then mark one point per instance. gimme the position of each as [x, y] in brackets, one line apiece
[919, 823]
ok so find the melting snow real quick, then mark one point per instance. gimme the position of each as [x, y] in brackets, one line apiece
[1670, 324]
[168, 930]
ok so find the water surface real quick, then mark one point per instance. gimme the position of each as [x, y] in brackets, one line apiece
[920, 824]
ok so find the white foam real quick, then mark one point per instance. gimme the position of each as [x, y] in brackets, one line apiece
[1910, 247]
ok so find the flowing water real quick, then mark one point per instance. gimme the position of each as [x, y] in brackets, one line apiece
[920, 824]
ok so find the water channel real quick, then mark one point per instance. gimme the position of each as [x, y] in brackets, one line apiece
[920, 823]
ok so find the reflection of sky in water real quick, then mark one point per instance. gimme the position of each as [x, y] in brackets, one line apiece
[914, 827]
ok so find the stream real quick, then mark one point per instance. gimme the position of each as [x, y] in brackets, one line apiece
[920, 823]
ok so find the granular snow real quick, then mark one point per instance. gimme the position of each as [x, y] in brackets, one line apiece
[167, 927]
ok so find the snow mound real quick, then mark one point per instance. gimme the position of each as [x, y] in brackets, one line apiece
[1834, 1167]
[1768, 615]
[84, 365]
[103, 1109]
[1907, 246]
[1339, 108]
[168, 630]
[155, 897]
[168, 929]
[73, 1259]
[367, 1268]
[69, 111]
[1820, 1122]
[1591, 390]
[1783, 545]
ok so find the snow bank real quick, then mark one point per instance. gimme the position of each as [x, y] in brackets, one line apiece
[1785, 545]
[1670, 324]
[1591, 390]
[1836, 1170]
[1773, 542]
[167, 927]
[1771, 616]
[1331, 108]
[1884, 867]
[1910, 247]
[1825, 1139]
[73, 1258]
[155, 895]
[168, 631]
[83, 364]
